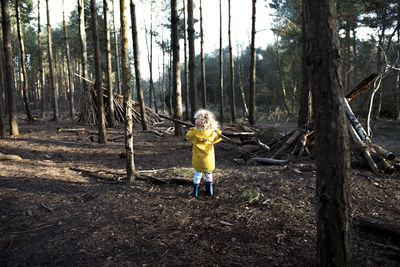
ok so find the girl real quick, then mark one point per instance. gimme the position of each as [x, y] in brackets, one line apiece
[203, 137]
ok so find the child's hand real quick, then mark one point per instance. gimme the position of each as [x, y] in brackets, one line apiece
[218, 132]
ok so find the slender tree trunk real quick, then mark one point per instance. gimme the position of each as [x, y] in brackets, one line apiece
[333, 192]
[232, 69]
[110, 90]
[117, 61]
[170, 84]
[53, 83]
[283, 87]
[126, 84]
[85, 106]
[221, 68]
[252, 87]
[41, 74]
[101, 123]
[3, 131]
[203, 64]
[69, 67]
[163, 79]
[192, 61]
[152, 96]
[176, 80]
[136, 56]
[398, 72]
[9, 68]
[23, 64]
[305, 106]
[240, 78]
[186, 84]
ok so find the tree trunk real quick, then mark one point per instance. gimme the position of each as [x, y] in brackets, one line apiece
[176, 73]
[242, 94]
[170, 84]
[23, 64]
[232, 70]
[192, 61]
[203, 64]
[221, 68]
[185, 80]
[117, 61]
[305, 104]
[53, 83]
[283, 87]
[41, 74]
[110, 90]
[101, 123]
[86, 90]
[69, 68]
[330, 125]
[252, 87]
[126, 84]
[139, 89]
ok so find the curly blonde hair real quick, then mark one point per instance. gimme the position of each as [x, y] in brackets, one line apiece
[205, 119]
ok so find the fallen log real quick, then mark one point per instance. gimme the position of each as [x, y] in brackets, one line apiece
[9, 157]
[387, 154]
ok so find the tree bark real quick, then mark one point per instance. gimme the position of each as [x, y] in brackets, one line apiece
[86, 90]
[136, 57]
[221, 68]
[110, 90]
[23, 64]
[117, 61]
[69, 68]
[232, 69]
[185, 80]
[126, 84]
[54, 85]
[192, 61]
[40, 62]
[176, 73]
[101, 123]
[203, 64]
[330, 124]
[252, 78]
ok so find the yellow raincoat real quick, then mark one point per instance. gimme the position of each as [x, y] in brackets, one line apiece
[203, 140]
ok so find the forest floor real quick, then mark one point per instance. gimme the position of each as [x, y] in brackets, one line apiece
[56, 209]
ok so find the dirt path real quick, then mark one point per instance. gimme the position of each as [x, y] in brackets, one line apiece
[260, 215]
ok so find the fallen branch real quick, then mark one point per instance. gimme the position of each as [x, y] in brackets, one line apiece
[267, 161]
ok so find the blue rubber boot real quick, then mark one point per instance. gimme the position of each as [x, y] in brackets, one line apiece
[209, 188]
[196, 190]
